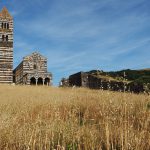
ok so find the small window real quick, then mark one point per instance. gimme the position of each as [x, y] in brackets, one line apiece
[3, 37]
[6, 37]
[2, 25]
[35, 67]
[7, 25]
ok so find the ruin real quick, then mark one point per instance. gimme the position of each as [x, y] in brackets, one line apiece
[103, 82]
[33, 71]
[6, 47]
[79, 79]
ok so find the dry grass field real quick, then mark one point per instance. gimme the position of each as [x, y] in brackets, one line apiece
[44, 118]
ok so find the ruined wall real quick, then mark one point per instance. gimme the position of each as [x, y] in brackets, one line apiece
[79, 79]
[82, 79]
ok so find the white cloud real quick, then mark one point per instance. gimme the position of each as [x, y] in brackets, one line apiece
[77, 35]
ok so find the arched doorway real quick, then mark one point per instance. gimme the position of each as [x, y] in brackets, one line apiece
[40, 81]
[47, 81]
[32, 81]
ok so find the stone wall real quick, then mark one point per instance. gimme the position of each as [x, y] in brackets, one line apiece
[83, 79]
[6, 47]
[79, 79]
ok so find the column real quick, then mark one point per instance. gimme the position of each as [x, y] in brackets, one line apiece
[43, 81]
[36, 81]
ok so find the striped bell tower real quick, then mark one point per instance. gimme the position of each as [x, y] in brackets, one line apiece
[6, 47]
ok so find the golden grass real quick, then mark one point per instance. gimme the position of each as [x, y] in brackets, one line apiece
[44, 118]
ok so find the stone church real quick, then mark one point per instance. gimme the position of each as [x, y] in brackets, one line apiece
[33, 71]
[33, 68]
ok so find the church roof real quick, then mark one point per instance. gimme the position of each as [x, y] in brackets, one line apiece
[5, 14]
[35, 54]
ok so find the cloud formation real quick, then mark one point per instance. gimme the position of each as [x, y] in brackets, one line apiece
[82, 35]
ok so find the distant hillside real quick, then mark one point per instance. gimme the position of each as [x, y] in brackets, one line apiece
[136, 76]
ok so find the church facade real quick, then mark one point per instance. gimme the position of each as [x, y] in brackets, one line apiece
[6, 47]
[33, 71]
[33, 68]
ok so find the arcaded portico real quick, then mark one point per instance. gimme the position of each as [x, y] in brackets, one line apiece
[33, 71]
[37, 79]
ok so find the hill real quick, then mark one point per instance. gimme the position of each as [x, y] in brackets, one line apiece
[136, 76]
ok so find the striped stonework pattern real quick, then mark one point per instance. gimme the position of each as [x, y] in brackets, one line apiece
[33, 71]
[6, 47]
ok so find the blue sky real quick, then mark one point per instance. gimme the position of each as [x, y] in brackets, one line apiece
[82, 35]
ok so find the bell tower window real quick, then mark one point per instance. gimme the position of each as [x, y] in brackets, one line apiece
[7, 25]
[6, 37]
[2, 25]
[3, 37]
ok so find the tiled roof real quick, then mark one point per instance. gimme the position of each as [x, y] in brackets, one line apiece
[5, 14]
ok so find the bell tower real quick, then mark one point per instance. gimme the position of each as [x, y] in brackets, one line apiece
[6, 47]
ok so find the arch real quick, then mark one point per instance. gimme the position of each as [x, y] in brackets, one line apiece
[40, 81]
[32, 81]
[47, 81]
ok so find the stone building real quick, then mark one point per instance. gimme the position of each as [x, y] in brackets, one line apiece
[79, 79]
[103, 82]
[33, 71]
[6, 47]
[88, 80]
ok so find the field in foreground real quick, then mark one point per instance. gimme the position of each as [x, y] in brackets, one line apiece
[44, 118]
